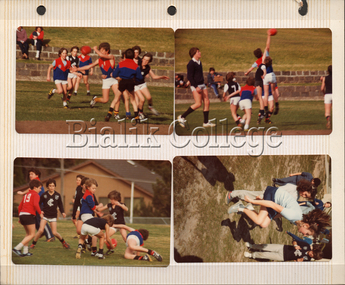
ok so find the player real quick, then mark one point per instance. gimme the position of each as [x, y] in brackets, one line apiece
[245, 103]
[196, 77]
[61, 68]
[106, 63]
[72, 78]
[127, 72]
[270, 103]
[140, 88]
[27, 209]
[234, 89]
[51, 200]
[94, 227]
[326, 88]
[137, 52]
[84, 60]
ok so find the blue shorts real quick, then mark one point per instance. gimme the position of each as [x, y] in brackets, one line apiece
[269, 194]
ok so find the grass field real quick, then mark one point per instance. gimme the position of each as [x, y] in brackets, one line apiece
[202, 226]
[232, 49]
[32, 104]
[292, 116]
[161, 40]
[52, 253]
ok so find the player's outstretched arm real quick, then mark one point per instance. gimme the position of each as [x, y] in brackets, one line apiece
[295, 174]
[154, 76]
[120, 226]
[248, 71]
[106, 56]
[268, 42]
[86, 67]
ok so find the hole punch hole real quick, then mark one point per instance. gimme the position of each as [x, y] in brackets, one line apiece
[41, 10]
[172, 10]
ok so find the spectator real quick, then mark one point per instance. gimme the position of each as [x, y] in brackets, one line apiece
[210, 81]
[21, 41]
[37, 40]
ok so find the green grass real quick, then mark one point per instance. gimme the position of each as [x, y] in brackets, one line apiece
[293, 115]
[52, 253]
[232, 49]
[150, 40]
[32, 104]
[202, 226]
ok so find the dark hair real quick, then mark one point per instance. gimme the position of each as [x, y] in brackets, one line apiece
[329, 69]
[38, 27]
[144, 233]
[316, 181]
[83, 180]
[34, 183]
[74, 47]
[61, 50]
[80, 176]
[105, 46]
[193, 51]
[268, 61]
[317, 220]
[129, 53]
[50, 181]
[148, 55]
[36, 171]
[258, 53]
[250, 81]
[89, 182]
[317, 251]
[109, 218]
[137, 48]
[306, 186]
[211, 69]
[115, 195]
[230, 76]
[330, 204]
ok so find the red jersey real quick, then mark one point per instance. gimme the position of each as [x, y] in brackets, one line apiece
[30, 203]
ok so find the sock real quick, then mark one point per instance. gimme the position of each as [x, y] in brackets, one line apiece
[75, 92]
[328, 117]
[34, 242]
[206, 117]
[237, 122]
[80, 245]
[246, 127]
[269, 114]
[136, 115]
[100, 251]
[94, 248]
[185, 114]
[98, 99]
[19, 246]
[25, 250]
[150, 252]
[88, 91]
[277, 104]
[62, 240]
[266, 111]
[37, 53]
[261, 112]
[54, 90]
[140, 110]
[138, 257]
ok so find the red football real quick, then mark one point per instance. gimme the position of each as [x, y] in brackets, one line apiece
[113, 241]
[272, 32]
[85, 50]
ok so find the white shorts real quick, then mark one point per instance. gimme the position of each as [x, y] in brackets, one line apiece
[234, 100]
[328, 99]
[89, 230]
[201, 86]
[245, 104]
[270, 98]
[85, 217]
[63, 82]
[49, 219]
[140, 86]
[269, 78]
[71, 75]
[107, 83]
[134, 238]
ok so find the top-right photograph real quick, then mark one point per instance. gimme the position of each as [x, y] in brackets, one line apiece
[236, 80]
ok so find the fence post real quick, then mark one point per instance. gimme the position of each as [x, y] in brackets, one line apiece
[132, 203]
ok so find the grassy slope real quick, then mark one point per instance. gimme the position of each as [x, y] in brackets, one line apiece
[200, 209]
[35, 94]
[53, 253]
[232, 50]
[161, 40]
[301, 115]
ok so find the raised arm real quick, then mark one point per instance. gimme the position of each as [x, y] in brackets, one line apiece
[268, 42]
[106, 56]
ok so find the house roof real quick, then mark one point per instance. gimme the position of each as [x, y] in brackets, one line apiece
[126, 169]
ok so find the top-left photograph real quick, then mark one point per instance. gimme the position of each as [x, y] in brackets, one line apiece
[117, 78]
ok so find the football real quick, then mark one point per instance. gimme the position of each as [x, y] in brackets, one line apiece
[272, 32]
[85, 50]
[113, 241]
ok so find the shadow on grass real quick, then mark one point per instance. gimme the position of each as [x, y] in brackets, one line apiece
[186, 258]
[214, 171]
[241, 231]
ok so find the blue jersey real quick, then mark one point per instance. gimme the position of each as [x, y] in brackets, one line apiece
[138, 235]
[87, 203]
[247, 92]
[105, 67]
[128, 69]
[61, 69]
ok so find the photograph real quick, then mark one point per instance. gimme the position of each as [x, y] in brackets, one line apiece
[78, 211]
[116, 77]
[238, 79]
[252, 209]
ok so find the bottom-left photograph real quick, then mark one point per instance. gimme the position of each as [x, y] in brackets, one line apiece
[91, 212]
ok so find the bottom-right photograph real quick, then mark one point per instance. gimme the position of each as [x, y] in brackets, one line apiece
[252, 209]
